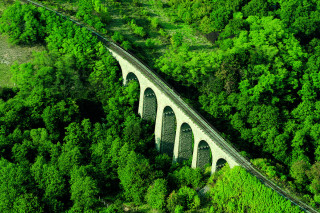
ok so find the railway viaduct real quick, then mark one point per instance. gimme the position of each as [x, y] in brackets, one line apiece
[177, 133]
[180, 131]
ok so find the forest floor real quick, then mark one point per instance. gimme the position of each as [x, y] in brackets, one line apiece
[10, 54]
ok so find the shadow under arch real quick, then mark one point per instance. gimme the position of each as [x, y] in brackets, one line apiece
[186, 142]
[149, 111]
[204, 155]
[220, 164]
[131, 77]
[168, 131]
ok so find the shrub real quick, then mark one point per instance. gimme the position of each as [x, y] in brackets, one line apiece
[187, 176]
[137, 29]
[162, 32]
[149, 42]
[157, 193]
[23, 24]
[176, 39]
[154, 22]
[178, 209]
[117, 37]
[172, 201]
[186, 197]
[126, 45]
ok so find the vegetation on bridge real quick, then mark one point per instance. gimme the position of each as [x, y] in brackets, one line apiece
[71, 141]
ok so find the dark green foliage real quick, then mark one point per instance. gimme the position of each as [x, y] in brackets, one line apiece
[127, 45]
[15, 189]
[137, 29]
[257, 8]
[302, 17]
[298, 172]
[22, 24]
[134, 176]
[207, 15]
[83, 190]
[314, 176]
[261, 84]
[88, 10]
[187, 176]
[117, 37]
[186, 199]
[69, 135]
[7, 93]
[176, 40]
[61, 151]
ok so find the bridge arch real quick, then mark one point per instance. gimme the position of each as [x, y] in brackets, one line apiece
[186, 142]
[168, 131]
[131, 77]
[149, 111]
[204, 156]
[221, 162]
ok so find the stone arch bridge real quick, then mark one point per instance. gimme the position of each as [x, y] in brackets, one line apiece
[180, 131]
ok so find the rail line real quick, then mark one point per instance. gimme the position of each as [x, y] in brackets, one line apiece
[193, 114]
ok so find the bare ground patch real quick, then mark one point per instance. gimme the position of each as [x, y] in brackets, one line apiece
[10, 54]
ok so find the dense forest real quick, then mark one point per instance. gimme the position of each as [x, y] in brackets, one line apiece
[71, 140]
[262, 82]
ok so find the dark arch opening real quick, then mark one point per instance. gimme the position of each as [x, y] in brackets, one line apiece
[186, 142]
[131, 78]
[220, 164]
[168, 133]
[149, 105]
[204, 157]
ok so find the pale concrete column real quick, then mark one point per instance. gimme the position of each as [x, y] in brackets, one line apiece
[177, 141]
[195, 151]
[215, 159]
[158, 125]
[122, 64]
[141, 99]
[124, 75]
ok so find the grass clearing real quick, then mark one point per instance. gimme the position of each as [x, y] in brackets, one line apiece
[160, 37]
[9, 54]
[168, 23]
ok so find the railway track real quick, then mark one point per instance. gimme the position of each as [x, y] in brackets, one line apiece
[193, 114]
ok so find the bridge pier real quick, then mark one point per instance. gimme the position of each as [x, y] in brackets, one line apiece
[158, 126]
[175, 158]
[141, 100]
